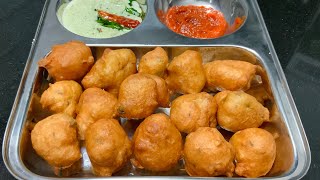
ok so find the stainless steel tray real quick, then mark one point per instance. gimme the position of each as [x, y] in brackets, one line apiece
[252, 39]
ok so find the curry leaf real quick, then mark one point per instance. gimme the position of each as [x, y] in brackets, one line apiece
[110, 24]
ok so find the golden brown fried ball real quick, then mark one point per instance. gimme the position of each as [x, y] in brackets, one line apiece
[94, 104]
[191, 111]
[137, 97]
[62, 97]
[108, 147]
[110, 70]
[55, 140]
[186, 74]
[69, 61]
[157, 144]
[230, 75]
[207, 153]
[238, 110]
[255, 150]
[140, 94]
[154, 62]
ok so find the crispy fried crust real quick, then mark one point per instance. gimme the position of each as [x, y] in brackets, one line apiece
[138, 97]
[94, 104]
[162, 90]
[230, 75]
[108, 147]
[55, 140]
[186, 74]
[191, 111]
[110, 70]
[207, 153]
[157, 144]
[69, 61]
[62, 97]
[255, 150]
[154, 62]
[238, 110]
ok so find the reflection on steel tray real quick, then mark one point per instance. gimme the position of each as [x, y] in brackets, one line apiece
[251, 41]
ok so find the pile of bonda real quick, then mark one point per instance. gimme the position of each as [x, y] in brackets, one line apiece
[87, 98]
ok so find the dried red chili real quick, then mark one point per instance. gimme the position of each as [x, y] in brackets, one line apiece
[126, 22]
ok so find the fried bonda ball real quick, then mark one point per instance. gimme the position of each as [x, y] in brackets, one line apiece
[186, 74]
[255, 150]
[108, 147]
[191, 111]
[207, 153]
[69, 61]
[140, 94]
[230, 75]
[55, 140]
[157, 144]
[154, 62]
[110, 70]
[238, 110]
[62, 97]
[94, 104]
[137, 97]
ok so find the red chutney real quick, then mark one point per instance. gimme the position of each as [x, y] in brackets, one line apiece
[196, 21]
